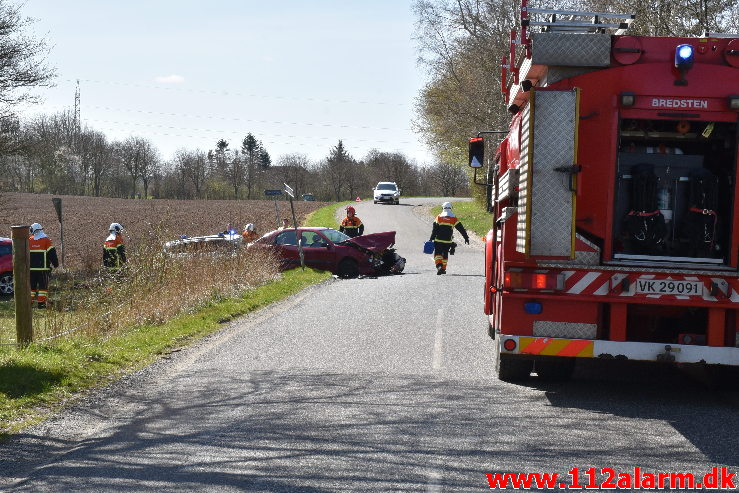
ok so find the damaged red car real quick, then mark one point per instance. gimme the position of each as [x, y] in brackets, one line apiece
[328, 249]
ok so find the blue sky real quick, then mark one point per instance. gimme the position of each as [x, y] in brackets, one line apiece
[299, 75]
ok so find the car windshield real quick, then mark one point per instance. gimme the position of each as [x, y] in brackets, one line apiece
[334, 236]
[5, 249]
[386, 186]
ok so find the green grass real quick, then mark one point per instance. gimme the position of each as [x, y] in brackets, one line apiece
[473, 215]
[325, 216]
[43, 376]
[37, 379]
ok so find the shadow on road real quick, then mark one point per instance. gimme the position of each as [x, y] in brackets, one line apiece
[681, 396]
[309, 432]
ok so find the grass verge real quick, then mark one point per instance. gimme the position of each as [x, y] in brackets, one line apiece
[325, 216]
[473, 215]
[42, 377]
[38, 379]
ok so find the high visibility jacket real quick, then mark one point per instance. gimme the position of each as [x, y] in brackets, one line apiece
[443, 231]
[43, 253]
[114, 252]
[352, 226]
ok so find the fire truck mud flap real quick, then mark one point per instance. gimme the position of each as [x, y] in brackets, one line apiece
[639, 351]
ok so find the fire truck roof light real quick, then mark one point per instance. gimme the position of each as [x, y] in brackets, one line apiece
[684, 56]
[734, 102]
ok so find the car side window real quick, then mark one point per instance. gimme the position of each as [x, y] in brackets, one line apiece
[312, 239]
[286, 238]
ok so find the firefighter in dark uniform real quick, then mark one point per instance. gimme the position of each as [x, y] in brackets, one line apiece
[351, 225]
[442, 236]
[43, 257]
[114, 251]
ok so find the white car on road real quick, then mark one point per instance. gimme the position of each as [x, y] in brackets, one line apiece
[386, 191]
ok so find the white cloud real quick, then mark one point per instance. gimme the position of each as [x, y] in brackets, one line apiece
[170, 79]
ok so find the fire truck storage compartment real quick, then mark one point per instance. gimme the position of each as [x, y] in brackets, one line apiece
[674, 192]
[667, 324]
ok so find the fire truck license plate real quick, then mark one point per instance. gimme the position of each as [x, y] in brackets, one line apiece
[668, 286]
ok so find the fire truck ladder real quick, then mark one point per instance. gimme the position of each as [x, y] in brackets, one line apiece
[555, 20]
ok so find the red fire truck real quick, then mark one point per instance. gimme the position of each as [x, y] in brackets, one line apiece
[614, 191]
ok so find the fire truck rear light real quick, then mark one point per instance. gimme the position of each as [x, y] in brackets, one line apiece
[509, 344]
[627, 98]
[549, 281]
[734, 102]
[532, 308]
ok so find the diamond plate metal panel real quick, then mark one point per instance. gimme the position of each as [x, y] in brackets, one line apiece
[568, 330]
[571, 49]
[551, 203]
[524, 183]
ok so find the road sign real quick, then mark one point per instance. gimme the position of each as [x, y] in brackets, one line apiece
[272, 192]
[289, 190]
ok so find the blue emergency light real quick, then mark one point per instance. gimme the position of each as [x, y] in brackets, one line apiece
[684, 57]
[532, 307]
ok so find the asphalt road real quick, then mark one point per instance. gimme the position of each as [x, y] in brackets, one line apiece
[380, 384]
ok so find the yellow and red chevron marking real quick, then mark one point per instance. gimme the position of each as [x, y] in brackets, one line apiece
[545, 346]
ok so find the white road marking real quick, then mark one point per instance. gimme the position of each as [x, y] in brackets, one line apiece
[436, 362]
[433, 484]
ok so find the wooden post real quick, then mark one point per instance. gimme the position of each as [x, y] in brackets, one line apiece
[22, 285]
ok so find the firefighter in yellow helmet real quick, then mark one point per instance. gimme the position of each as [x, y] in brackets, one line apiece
[442, 235]
[114, 251]
[43, 258]
[351, 225]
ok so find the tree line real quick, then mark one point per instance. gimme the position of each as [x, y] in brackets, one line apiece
[51, 154]
[55, 153]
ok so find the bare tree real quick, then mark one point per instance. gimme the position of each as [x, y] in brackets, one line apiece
[194, 167]
[293, 170]
[22, 61]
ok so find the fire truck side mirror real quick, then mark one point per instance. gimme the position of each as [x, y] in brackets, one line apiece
[477, 152]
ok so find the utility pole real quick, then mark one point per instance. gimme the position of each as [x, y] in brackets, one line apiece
[22, 285]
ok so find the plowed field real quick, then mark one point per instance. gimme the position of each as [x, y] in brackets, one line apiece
[86, 220]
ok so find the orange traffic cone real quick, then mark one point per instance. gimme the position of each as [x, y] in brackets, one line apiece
[358, 200]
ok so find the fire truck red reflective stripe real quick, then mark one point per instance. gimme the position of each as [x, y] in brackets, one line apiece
[574, 348]
[533, 346]
[544, 346]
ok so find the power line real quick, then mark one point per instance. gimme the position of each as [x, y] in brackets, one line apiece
[247, 120]
[237, 94]
[221, 132]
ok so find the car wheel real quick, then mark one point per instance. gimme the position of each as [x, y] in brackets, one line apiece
[375, 201]
[348, 268]
[6, 284]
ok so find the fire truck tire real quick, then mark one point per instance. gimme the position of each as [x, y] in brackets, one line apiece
[554, 369]
[512, 368]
